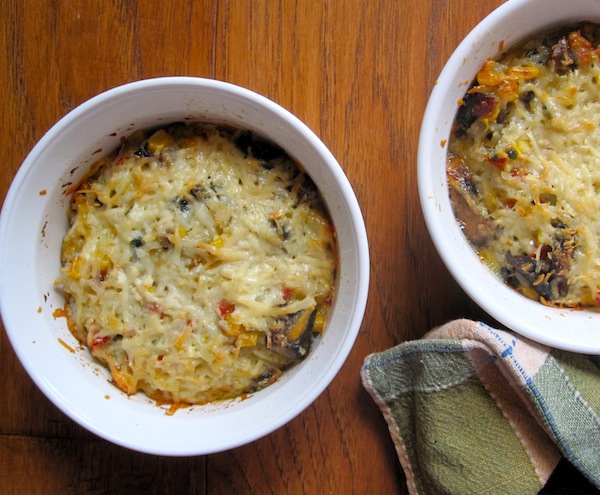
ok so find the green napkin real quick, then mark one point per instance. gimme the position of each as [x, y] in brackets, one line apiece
[476, 410]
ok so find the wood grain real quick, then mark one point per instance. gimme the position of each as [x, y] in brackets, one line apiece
[358, 72]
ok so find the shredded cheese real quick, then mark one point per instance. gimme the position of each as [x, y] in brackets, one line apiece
[193, 255]
[524, 165]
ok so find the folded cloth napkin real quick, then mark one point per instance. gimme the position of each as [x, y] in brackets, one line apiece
[476, 410]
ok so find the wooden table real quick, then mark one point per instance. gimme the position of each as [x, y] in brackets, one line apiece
[358, 72]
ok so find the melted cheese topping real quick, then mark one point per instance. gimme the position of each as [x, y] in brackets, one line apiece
[524, 166]
[199, 263]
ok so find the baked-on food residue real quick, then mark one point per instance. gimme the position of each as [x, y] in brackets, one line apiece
[199, 263]
[524, 167]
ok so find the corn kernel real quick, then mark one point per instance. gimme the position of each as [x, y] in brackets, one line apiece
[159, 141]
[248, 339]
[217, 242]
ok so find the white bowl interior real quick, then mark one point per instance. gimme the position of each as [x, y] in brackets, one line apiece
[573, 330]
[32, 225]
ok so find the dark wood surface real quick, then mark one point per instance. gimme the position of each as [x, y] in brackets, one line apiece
[359, 74]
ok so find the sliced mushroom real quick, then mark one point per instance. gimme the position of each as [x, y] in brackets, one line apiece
[563, 56]
[264, 380]
[474, 106]
[463, 196]
[544, 275]
[291, 335]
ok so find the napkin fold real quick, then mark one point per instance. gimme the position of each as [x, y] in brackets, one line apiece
[476, 410]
